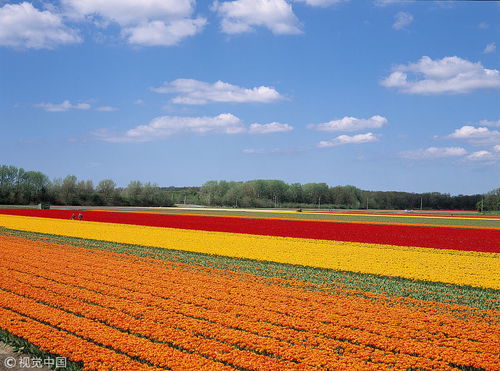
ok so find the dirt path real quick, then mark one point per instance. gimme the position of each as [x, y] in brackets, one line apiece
[10, 360]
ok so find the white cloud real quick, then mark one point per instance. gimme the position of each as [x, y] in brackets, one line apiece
[320, 3]
[347, 139]
[242, 16]
[350, 124]
[468, 132]
[490, 48]
[158, 33]
[433, 153]
[402, 20]
[480, 156]
[450, 75]
[390, 2]
[199, 92]
[106, 109]
[63, 107]
[484, 157]
[490, 123]
[145, 22]
[476, 135]
[130, 11]
[273, 127]
[138, 101]
[165, 126]
[23, 26]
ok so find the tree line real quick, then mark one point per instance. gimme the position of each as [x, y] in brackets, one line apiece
[20, 187]
[276, 193]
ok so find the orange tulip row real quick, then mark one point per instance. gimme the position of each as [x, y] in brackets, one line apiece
[147, 271]
[195, 340]
[67, 345]
[148, 279]
[158, 354]
[206, 329]
[148, 326]
[241, 319]
[476, 328]
[142, 283]
[349, 321]
[261, 364]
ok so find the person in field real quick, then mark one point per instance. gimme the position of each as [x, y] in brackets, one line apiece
[73, 217]
[80, 216]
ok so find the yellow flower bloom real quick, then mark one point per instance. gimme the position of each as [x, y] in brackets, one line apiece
[439, 265]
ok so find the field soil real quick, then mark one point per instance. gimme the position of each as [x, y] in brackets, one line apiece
[6, 351]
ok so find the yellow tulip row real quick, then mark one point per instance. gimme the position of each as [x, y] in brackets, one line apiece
[437, 265]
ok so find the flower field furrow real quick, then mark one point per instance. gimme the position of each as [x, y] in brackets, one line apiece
[203, 291]
[263, 363]
[193, 340]
[373, 330]
[182, 322]
[50, 339]
[449, 266]
[157, 354]
[117, 319]
[219, 334]
[230, 336]
[482, 240]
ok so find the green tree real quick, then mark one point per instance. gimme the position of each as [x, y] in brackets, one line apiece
[107, 191]
[316, 193]
[490, 201]
[277, 190]
[234, 194]
[208, 192]
[68, 194]
[295, 193]
[37, 185]
[132, 193]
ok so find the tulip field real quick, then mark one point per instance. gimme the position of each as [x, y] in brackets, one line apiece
[258, 291]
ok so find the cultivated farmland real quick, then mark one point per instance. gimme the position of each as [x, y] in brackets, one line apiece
[251, 291]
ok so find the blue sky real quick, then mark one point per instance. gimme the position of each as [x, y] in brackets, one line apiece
[381, 94]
